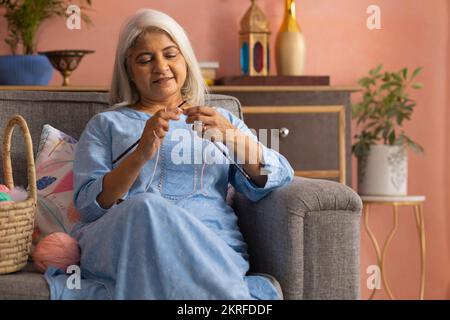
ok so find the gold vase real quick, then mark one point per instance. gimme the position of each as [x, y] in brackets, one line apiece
[290, 50]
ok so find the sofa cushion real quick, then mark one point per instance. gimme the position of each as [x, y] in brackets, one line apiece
[27, 284]
[54, 176]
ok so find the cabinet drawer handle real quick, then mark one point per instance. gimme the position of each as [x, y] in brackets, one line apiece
[284, 132]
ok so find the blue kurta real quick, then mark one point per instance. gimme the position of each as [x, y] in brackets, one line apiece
[174, 236]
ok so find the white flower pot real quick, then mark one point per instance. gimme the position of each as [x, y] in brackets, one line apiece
[384, 171]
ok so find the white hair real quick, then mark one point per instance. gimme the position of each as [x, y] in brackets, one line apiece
[123, 91]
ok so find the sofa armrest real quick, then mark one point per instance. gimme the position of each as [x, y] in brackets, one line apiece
[307, 236]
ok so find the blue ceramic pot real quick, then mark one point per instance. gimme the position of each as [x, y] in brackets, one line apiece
[19, 70]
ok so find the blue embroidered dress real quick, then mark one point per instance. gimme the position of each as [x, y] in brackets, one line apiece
[173, 236]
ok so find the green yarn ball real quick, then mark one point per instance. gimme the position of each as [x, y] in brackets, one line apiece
[4, 197]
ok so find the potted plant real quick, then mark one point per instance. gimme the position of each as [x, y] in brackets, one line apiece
[24, 18]
[381, 145]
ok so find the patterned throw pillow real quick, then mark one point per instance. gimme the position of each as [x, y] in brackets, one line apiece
[54, 176]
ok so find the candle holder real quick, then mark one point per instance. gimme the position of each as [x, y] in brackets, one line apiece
[66, 61]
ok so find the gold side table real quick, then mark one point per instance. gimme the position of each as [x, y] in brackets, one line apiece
[395, 201]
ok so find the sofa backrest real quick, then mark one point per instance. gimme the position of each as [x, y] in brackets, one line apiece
[67, 111]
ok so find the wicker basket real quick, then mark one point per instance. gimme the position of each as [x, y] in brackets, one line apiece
[17, 219]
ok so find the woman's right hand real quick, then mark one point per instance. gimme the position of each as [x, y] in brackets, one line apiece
[154, 132]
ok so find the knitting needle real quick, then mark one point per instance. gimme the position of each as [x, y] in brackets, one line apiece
[134, 144]
[241, 170]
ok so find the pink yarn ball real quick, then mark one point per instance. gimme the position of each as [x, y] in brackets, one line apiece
[58, 249]
[4, 188]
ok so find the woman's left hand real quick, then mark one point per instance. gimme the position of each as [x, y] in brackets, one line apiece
[215, 125]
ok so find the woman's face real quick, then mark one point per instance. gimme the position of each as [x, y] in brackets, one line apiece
[157, 67]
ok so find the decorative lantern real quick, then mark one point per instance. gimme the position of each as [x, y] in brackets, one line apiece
[254, 42]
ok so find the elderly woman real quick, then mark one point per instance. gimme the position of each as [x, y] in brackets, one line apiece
[155, 227]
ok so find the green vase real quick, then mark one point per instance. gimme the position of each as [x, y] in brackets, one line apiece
[290, 50]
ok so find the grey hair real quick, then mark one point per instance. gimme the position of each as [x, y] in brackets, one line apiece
[123, 91]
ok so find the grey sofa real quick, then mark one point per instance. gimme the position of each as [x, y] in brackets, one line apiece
[306, 235]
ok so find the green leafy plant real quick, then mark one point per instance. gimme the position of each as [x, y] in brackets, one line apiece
[24, 18]
[384, 108]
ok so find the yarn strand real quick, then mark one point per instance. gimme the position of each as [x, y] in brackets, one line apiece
[157, 157]
[202, 172]
[156, 163]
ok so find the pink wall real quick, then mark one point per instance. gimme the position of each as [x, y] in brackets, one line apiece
[414, 33]
[447, 124]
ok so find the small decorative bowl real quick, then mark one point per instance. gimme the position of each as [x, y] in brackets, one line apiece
[65, 61]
